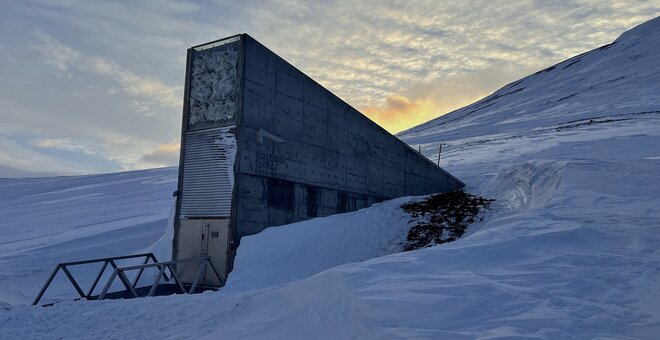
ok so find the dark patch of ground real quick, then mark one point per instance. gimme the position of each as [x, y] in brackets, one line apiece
[545, 70]
[577, 60]
[443, 218]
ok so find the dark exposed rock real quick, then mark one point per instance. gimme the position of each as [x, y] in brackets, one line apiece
[443, 218]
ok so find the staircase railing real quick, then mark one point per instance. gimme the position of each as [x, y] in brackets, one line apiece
[64, 267]
[203, 260]
[119, 271]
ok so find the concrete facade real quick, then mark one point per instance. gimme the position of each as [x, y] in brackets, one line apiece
[301, 152]
[332, 159]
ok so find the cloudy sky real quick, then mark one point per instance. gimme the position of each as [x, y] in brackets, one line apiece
[97, 86]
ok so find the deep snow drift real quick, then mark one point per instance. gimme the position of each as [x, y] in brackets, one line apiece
[569, 250]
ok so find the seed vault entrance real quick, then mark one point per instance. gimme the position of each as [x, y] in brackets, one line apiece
[264, 145]
[203, 237]
[206, 171]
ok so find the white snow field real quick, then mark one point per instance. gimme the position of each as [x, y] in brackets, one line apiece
[570, 250]
[44, 221]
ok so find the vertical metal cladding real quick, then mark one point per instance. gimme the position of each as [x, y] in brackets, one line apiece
[208, 173]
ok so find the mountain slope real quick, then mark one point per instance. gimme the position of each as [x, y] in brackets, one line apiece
[615, 82]
[568, 251]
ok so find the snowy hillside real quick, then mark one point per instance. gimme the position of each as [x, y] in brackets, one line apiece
[570, 249]
[50, 220]
[616, 82]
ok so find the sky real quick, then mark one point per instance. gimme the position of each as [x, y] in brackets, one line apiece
[97, 86]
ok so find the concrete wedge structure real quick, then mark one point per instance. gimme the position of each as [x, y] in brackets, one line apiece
[263, 145]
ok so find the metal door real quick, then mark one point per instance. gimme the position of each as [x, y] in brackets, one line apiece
[217, 248]
[203, 237]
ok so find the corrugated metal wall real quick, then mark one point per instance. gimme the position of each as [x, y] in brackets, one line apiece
[208, 173]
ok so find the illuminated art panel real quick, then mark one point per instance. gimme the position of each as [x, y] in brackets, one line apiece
[213, 87]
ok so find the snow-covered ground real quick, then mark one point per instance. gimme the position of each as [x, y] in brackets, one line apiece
[45, 221]
[570, 250]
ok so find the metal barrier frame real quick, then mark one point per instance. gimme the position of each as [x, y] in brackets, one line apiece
[106, 261]
[203, 260]
[120, 272]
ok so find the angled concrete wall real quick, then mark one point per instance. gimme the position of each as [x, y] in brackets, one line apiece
[303, 152]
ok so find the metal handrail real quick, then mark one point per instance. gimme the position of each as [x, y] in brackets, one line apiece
[106, 260]
[120, 272]
[203, 260]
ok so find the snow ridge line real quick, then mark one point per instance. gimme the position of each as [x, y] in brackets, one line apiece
[560, 127]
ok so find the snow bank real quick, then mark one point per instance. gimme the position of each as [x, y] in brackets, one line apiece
[299, 250]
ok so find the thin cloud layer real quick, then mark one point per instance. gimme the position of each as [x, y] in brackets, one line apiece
[63, 144]
[107, 77]
[164, 155]
[144, 90]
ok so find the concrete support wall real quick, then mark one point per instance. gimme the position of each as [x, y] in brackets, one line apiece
[303, 152]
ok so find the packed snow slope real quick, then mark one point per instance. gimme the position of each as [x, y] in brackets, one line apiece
[570, 250]
[44, 221]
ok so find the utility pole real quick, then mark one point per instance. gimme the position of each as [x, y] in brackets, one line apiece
[439, 153]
